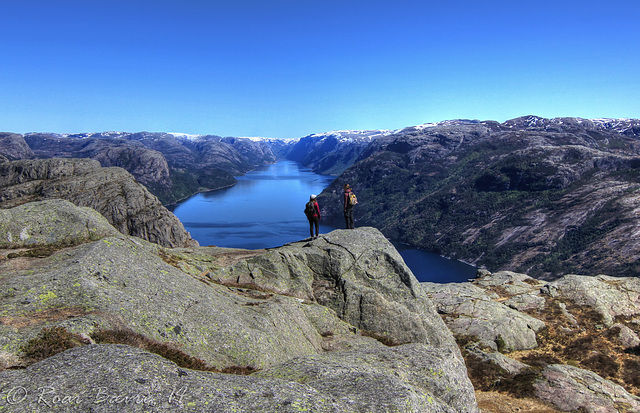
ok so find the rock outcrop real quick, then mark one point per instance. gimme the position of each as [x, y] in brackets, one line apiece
[356, 273]
[572, 342]
[113, 192]
[611, 297]
[312, 351]
[54, 223]
[572, 389]
[106, 378]
[148, 166]
[412, 377]
[13, 147]
[469, 311]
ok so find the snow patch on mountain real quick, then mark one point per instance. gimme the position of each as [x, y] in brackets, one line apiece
[187, 136]
[346, 136]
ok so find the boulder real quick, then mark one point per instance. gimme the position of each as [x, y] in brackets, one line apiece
[51, 223]
[358, 274]
[468, 311]
[626, 336]
[411, 377]
[609, 296]
[507, 364]
[526, 302]
[573, 389]
[113, 192]
[509, 283]
[108, 378]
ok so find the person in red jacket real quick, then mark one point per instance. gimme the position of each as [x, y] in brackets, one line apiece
[312, 210]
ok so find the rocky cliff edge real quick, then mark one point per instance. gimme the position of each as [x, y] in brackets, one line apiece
[345, 328]
[112, 191]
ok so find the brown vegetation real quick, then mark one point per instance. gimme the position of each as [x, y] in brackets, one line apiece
[586, 344]
[57, 339]
[49, 342]
[494, 402]
[581, 341]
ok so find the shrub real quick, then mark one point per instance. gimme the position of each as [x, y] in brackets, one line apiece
[520, 385]
[601, 364]
[50, 341]
[631, 373]
[539, 359]
[484, 376]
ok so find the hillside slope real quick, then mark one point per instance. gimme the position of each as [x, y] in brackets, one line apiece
[171, 166]
[534, 195]
[113, 192]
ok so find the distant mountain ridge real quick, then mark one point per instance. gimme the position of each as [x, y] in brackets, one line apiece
[173, 167]
[330, 153]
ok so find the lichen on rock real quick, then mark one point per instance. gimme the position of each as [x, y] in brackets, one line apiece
[328, 302]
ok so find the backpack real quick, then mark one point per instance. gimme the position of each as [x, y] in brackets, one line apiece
[352, 200]
[310, 209]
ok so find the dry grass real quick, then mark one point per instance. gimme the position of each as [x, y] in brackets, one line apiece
[169, 258]
[166, 350]
[38, 252]
[251, 291]
[209, 256]
[588, 345]
[583, 342]
[49, 342]
[494, 402]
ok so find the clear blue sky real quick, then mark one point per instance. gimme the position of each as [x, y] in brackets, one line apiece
[288, 68]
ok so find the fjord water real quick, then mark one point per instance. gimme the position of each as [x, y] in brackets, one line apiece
[265, 209]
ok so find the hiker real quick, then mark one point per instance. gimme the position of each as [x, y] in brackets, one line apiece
[312, 211]
[349, 202]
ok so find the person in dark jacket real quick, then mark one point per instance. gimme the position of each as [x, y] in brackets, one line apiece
[348, 207]
[314, 216]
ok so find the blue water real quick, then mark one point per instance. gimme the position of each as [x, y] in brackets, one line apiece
[265, 209]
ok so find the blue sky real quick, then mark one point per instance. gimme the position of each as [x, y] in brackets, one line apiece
[285, 68]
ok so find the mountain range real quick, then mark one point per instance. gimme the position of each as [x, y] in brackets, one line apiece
[535, 195]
